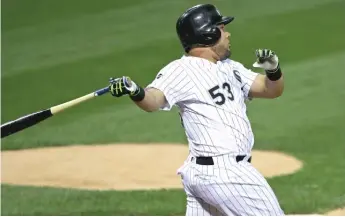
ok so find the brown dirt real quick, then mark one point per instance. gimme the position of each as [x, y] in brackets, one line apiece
[337, 212]
[272, 163]
[120, 166]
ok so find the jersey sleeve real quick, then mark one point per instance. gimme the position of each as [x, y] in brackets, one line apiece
[174, 82]
[246, 76]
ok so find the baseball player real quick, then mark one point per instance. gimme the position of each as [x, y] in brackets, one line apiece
[210, 91]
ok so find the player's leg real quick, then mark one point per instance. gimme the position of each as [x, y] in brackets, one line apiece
[236, 189]
[201, 199]
[220, 193]
[249, 190]
[250, 199]
[198, 207]
[195, 206]
[267, 202]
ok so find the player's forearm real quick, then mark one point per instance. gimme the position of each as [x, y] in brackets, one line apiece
[274, 88]
[151, 101]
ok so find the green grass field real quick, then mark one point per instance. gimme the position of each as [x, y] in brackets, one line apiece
[54, 51]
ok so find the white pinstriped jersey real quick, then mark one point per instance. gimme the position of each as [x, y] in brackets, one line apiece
[211, 101]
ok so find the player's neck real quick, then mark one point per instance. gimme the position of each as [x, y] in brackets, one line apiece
[205, 54]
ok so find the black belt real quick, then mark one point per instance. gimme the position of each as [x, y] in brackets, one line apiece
[209, 160]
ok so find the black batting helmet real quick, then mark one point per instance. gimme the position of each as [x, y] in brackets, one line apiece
[197, 27]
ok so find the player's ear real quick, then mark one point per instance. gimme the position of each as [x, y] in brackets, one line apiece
[227, 34]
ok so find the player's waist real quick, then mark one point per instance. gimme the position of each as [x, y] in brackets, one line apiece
[218, 133]
[224, 160]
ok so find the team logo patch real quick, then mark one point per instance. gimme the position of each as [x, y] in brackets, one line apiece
[159, 75]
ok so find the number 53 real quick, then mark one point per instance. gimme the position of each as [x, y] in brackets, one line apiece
[215, 94]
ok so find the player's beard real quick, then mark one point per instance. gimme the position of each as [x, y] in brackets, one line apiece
[223, 54]
[227, 54]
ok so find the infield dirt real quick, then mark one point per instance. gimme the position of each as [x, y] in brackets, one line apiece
[117, 166]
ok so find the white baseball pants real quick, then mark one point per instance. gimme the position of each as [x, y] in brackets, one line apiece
[227, 188]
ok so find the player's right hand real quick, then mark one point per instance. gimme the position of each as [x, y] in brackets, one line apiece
[122, 86]
[266, 59]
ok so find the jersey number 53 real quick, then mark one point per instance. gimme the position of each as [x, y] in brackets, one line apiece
[217, 93]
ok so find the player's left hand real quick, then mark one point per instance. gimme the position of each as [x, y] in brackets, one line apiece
[266, 59]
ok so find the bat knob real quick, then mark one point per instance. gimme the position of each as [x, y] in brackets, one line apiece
[127, 81]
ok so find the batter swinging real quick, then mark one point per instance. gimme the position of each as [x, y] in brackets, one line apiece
[210, 91]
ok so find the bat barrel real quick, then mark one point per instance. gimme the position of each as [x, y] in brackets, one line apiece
[34, 118]
[24, 122]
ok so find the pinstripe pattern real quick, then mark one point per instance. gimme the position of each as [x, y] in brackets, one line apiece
[211, 102]
[230, 187]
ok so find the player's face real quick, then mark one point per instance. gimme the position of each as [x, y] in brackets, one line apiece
[222, 48]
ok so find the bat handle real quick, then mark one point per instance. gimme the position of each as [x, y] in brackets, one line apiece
[101, 91]
[61, 107]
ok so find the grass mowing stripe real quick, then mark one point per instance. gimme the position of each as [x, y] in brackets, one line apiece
[306, 36]
[27, 13]
[34, 201]
[51, 11]
[70, 39]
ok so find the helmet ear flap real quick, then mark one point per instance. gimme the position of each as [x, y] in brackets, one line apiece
[210, 36]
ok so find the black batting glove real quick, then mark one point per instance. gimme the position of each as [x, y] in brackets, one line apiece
[122, 86]
[125, 86]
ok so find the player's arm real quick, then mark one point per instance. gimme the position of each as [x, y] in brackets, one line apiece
[150, 99]
[153, 100]
[263, 87]
[270, 85]
[171, 86]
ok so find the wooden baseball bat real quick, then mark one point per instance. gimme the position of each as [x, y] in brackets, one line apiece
[26, 121]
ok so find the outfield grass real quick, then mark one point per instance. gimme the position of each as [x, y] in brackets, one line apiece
[58, 51]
